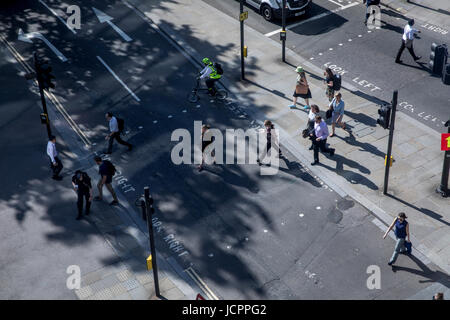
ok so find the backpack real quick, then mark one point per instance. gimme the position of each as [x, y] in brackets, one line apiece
[218, 68]
[112, 168]
[337, 82]
[120, 124]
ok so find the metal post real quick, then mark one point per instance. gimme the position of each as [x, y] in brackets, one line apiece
[148, 206]
[41, 91]
[443, 188]
[242, 41]
[283, 28]
[391, 137]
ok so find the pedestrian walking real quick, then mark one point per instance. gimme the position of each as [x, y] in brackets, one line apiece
[82, 185]
[329, 80]
[337, 106]
[313, 112]
[401, 232]
[106, 170]
[272, 141]
[55, 164]
[407, 41]
[301, 89]
[368, 4]
[207, 139]
[320, 141]
[438, 296]
[115, 132]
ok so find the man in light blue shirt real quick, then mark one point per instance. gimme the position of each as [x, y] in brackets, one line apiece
[114, 133]
[321, 132]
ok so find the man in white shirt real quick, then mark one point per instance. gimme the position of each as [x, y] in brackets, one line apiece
[55, 163]
[407, 41]
[114, 133]
[321, 132]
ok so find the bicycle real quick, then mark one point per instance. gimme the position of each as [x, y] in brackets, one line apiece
[193, 96]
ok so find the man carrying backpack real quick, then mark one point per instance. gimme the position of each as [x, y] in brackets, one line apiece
[82, 185]
[212, 73]
[106, 170]
[115, 128]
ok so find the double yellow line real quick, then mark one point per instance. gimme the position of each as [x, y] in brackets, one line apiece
[50, 96]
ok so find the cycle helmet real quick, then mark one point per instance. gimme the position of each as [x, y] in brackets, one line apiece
[206, 61]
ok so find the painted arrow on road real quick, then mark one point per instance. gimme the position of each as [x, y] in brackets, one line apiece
[103, 17]
[26, 37]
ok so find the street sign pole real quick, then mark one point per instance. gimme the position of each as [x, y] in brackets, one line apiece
[41, 91]
[242, 40]
[149, 210]
[443, 188]
[283, 28]
[391, 137]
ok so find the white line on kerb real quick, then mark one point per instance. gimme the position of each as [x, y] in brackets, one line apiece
[118, 79]
[54, 12]
[340, 5]
[324, 14]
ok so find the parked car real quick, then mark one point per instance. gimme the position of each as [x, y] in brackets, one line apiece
[271, 9]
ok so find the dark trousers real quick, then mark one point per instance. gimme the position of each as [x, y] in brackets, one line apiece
[210, 83]
[80, 203]
[400, 51]
[322, 145]
[56, 169]
[116, 135]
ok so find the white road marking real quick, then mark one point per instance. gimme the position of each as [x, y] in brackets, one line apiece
[324, 14]
[340, 44]
[169, 116]
[56, 14]
[140, 127]
[301, 215]
[331, 49]
[26, 37]
[350, 40]
[318, 208]
[340, 5]
[118, 79]
[155, 121]
[103, 17]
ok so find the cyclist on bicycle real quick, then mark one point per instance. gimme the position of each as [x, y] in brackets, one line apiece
[211, 74]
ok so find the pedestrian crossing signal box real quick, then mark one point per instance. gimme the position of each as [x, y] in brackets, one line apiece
[149, 262]
[283, 35]
[243, 16]
[245, 51]
[44, 118]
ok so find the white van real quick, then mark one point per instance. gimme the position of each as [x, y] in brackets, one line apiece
[271, 9]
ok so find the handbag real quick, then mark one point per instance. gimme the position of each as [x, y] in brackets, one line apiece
[301, 88]
[305, 133]
[329, 113]
[408, 246]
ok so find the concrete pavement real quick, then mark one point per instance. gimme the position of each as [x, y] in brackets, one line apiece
[358, 168]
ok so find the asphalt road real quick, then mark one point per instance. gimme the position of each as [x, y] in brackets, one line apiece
[365, 57]
[286, 236]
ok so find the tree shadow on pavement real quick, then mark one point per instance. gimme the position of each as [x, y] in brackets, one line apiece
[425, 211]
[296, 169]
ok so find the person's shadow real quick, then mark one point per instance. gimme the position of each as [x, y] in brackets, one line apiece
[432, 276]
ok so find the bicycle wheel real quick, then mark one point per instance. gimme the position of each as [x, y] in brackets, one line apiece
[221, 94]
[193, 97]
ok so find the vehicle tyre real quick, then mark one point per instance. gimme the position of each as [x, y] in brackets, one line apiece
[266, 12]
[221, 94]
[193, 97]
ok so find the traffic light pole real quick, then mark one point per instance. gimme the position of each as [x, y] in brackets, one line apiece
[148, 211]
[41, 91]
[443, 188]
[391, 137]
[283, 30]
[241, 9]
